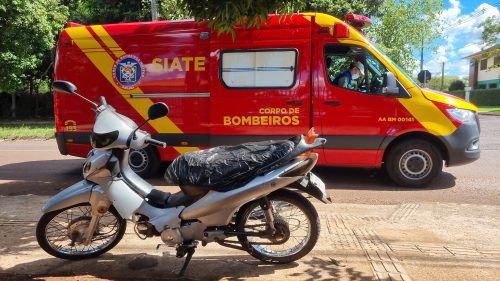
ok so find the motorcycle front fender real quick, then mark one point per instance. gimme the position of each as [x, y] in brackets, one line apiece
[314, 186]
[78, 193]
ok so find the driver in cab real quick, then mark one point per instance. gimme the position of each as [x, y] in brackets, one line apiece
[354, 72]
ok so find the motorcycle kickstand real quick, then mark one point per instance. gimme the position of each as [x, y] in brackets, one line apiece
[183, 250]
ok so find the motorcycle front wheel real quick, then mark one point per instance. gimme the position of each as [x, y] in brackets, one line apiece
[295, 220]
[61, 233]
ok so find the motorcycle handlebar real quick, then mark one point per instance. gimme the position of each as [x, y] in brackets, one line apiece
[156, 142]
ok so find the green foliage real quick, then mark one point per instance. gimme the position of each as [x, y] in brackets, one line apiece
[406, 26]
[491, 31]
[490, 97]
[225, 15]
[490, 36]
[27, 131]
[115, 11]
[28, 30]
[109, 11]
[456, 85]
[340, 8]
[435, 82]
[169, 10]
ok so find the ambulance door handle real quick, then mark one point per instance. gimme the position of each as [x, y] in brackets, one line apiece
[333, 103]
[295, 102]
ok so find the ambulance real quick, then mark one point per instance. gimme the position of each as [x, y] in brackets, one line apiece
[268, 83]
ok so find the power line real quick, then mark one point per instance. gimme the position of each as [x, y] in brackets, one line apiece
[472, 16]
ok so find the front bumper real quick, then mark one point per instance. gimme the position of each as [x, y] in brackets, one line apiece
[61, 143]
[463, 144]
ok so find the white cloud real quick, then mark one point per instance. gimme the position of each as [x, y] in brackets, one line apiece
[461, 32]
[470, 49]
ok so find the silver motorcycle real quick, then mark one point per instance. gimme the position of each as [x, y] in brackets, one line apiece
[237, 196]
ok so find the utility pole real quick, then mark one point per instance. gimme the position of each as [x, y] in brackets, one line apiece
[422, 55]
[442, 75]
[154, 10]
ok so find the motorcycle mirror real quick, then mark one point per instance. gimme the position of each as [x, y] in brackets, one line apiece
[157, 110]
[64, 87]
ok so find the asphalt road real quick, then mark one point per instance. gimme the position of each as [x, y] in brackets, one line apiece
[36, 167]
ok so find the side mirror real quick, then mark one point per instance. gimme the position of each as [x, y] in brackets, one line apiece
[390, 85]
[64, 87]
[157, 110]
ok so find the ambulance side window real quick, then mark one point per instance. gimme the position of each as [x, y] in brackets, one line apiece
[338, 59]
[269, 68]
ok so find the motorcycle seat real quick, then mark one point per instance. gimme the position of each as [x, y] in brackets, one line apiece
[225, 168]
[162, 200]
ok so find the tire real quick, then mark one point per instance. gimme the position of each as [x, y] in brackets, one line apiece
[56, 231]
[144, 162]
[413, 163]
[281, 201]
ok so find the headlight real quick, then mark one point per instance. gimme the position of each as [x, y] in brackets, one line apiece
[463, 115]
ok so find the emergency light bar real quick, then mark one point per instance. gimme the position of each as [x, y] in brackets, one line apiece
[358, 21]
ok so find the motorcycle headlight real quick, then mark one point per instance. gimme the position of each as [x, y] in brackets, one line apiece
[463, 115]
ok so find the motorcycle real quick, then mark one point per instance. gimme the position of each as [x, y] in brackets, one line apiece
[244, 192]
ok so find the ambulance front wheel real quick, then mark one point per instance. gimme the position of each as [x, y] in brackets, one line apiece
[144, 162]
[413, 163]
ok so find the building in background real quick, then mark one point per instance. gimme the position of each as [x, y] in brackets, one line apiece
[484, 68]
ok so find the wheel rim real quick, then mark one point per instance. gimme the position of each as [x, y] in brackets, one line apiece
[65, 232]
[297, 236]
[138, 160]
[415, 164]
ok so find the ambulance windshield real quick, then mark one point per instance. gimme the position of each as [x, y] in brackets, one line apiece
[395, 64]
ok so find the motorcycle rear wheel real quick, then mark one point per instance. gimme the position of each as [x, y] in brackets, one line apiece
[296, 222]
[61, 233]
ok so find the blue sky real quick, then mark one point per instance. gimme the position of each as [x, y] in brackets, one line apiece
[461, 38]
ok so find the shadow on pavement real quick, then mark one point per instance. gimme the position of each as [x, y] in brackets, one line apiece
[153, 267]
[39, 177]
[373, 179]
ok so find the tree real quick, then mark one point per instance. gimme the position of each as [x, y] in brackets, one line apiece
[490, 36]
[115, 11]
[28, 30]
[169, 10]
[225, 15]
[109, 11]
[456, 85]
[491, 30]
[340, 8]
[406, 26]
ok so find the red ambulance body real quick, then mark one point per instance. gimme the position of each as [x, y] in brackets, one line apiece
[267, 83]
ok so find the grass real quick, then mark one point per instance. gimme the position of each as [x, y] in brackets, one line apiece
[27, 130]
[489, 109]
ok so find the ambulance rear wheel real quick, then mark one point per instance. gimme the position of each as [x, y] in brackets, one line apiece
[144, 162]
[413, 163]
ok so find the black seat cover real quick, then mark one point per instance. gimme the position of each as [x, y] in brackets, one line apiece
[224, 168]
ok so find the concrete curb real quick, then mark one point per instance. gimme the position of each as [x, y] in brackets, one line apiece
[490, 113]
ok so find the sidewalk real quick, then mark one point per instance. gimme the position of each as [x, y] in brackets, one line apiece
[410, 241]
